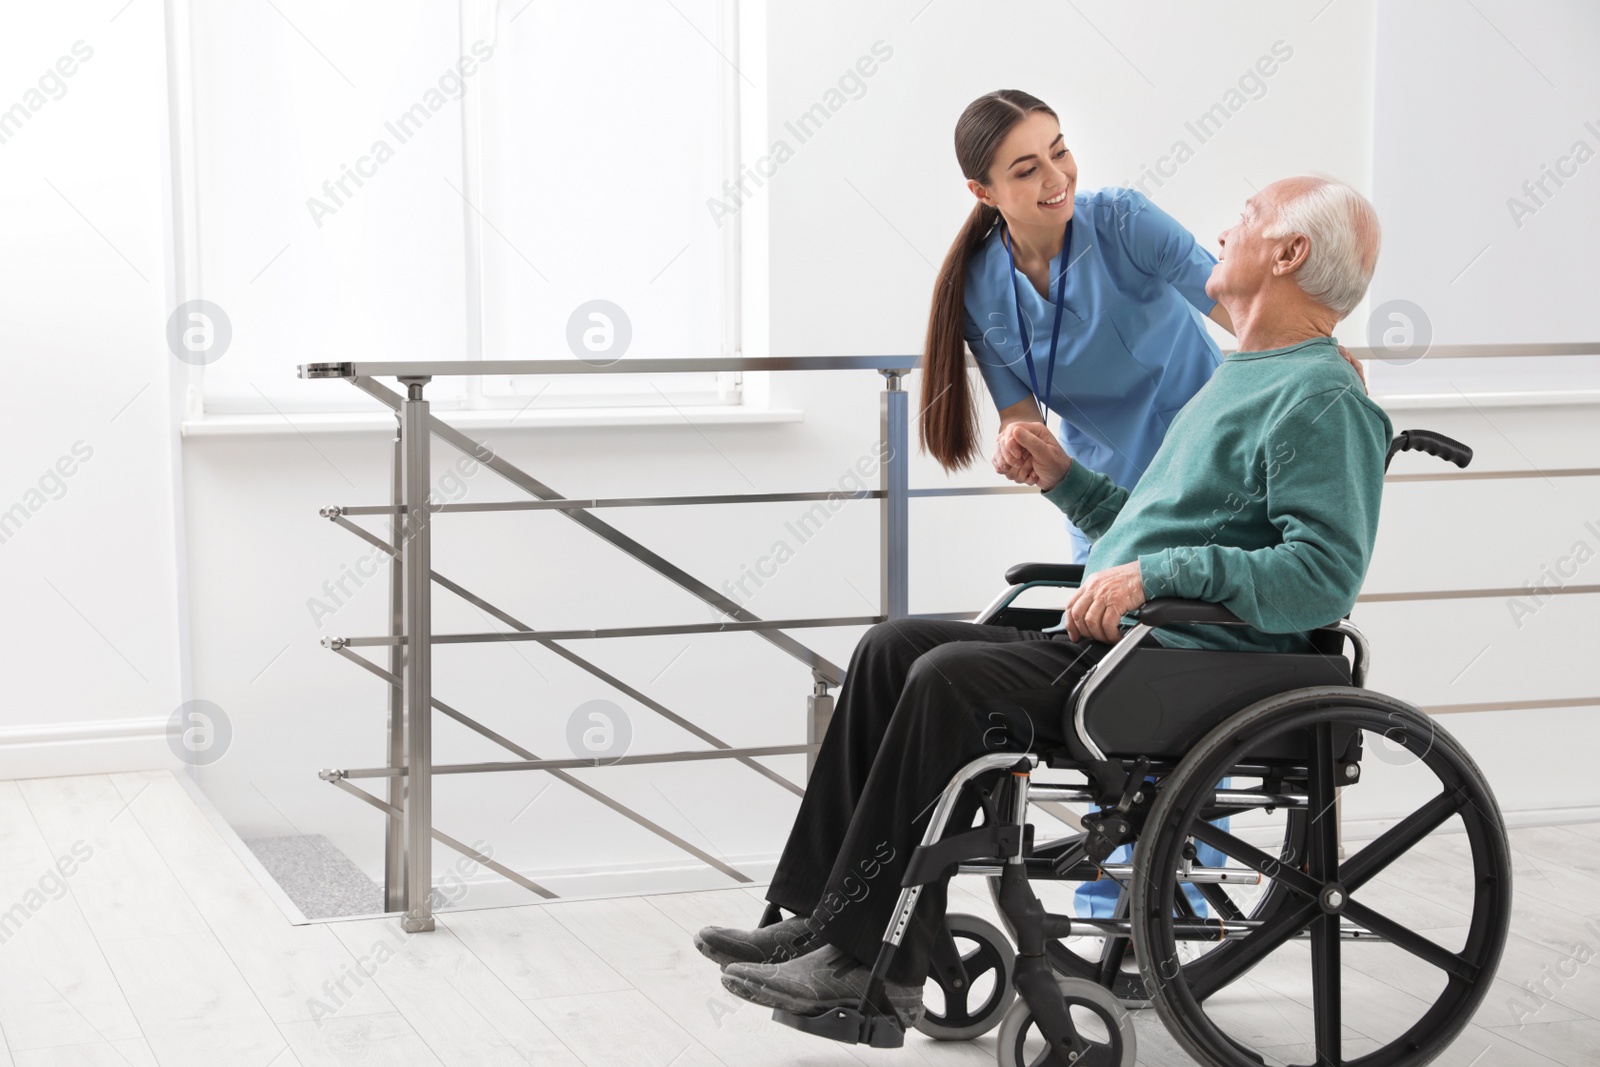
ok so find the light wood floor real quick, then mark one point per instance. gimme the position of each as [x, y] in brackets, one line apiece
[161, 948]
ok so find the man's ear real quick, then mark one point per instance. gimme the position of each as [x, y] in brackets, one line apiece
[1291, 254]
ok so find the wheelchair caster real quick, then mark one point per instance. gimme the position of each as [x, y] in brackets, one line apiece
[847, 1025]
[987, 966]
[1104, 1028]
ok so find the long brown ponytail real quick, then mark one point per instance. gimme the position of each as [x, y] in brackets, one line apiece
[948, 424]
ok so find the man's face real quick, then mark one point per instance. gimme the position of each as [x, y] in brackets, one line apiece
[1245, 262]
[1248, 260]
[1033, 166]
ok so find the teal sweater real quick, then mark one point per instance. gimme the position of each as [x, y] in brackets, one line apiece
[1262, 498]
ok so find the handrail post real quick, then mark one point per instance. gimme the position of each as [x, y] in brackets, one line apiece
[819, 712]
[394, 846]
[894, 478]
[418, 681]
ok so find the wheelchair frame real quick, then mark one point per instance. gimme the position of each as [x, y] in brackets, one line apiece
[1316, 897]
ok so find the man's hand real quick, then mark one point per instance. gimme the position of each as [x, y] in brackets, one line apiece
[1102, 600]
[1357, 365]
[1033, 446]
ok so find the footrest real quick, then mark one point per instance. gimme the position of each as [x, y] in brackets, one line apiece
[847, 1025]
[940, 859]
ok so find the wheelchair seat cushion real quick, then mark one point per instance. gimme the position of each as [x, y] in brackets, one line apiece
[1162, 701]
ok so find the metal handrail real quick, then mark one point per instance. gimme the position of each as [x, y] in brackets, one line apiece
[409, 828]
[674, 365]
[411, 638]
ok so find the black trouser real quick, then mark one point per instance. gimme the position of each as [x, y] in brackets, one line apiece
[921, 698]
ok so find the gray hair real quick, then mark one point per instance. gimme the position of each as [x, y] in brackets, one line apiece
[1343, 230]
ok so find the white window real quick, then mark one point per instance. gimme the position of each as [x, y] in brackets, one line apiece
[425, 181]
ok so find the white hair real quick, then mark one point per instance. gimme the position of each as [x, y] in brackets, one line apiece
[1343, 230]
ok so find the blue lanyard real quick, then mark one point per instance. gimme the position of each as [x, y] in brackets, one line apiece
[1055, 330]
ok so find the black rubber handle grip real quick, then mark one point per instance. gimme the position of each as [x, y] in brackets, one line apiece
[1435, 444]
[1044, 572]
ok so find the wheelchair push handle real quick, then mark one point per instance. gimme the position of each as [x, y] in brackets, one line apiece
[1435, 444]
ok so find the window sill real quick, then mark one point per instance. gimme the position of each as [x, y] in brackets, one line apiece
[1529, 399]
[479, 419]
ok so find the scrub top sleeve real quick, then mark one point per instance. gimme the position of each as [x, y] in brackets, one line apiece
[1159, 246]
[1004, 386]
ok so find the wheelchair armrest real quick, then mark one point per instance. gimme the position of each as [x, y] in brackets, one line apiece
[1045, 572]
[1167, 610]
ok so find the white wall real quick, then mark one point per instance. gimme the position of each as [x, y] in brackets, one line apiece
[91, 634]
[843, 243]
[1470, 103]
[1485, 240]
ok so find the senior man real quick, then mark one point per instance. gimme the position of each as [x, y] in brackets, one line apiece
[1263, 498]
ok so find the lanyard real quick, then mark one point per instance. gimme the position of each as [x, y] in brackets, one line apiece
[1055, 330]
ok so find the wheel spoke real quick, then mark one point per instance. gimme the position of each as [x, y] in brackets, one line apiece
[1240, 956]
[1183, 905]
[1218, 898]
[1389, 845]
[1253, 857]
[1115, 949]
[1111, 957]
[1414, 943]
[1322, 864]
[1322, 835]
[1325, 999]
[955, 1005]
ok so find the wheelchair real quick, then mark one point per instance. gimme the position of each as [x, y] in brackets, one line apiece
[1159, 741]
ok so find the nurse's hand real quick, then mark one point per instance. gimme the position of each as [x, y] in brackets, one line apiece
[1100, 602]
[1050, 461]
[1356, 364]
[1011, 459]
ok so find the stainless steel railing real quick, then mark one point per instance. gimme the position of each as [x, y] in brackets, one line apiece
[410, 831]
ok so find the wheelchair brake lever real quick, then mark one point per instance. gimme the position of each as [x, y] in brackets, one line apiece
[1110, 828]
[1132, 792]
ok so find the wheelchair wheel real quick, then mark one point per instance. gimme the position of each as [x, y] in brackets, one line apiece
[960, 1013]
[1366, 989]
[1104, 1026]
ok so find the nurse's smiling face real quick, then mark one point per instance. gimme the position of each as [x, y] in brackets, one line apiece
[1033, 177]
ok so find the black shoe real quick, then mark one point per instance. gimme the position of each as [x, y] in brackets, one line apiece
[826, 978]
[766, 944]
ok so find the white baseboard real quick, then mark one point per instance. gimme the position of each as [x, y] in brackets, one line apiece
[97, 746]
[1551, 816]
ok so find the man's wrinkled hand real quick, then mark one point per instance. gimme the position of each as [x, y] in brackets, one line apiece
[1100, 602]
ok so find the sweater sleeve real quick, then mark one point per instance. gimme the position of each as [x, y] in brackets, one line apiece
[1091, 499]
[1324, 481]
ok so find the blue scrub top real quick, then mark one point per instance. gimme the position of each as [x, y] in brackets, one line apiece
[1133, 346]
